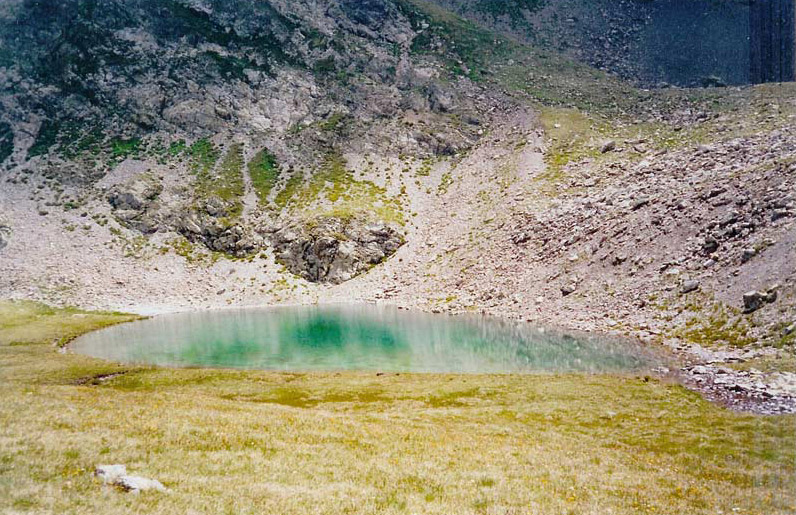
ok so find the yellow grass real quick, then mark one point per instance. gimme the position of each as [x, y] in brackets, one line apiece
[256, 442]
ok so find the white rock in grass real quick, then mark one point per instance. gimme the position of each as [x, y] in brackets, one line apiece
[110, 473]
[135, 484]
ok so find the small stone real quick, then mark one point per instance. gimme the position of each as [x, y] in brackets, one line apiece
[771, 295]
[639, 203]
[619, 259]
[710, 245]
[689, 286]
[748, 254]
[791, 329]
[568, 289]
[608, 146]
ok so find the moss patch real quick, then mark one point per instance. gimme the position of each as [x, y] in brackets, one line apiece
[223, 182]
[718, 326]
[264, 173]
[333, 191]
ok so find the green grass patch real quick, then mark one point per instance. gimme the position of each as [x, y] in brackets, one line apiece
[32, 323]
[122, 148]
[718, 326]
[334, 192]
[464, 47]
[264, 173]
[220, 181]
[46, 138]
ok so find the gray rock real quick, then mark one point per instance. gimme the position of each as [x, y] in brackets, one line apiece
[710, 245]
[569, 289]
[608, 146]
[639, 203]
[772, 294]
[135, 194]
[689, 286]
[134, 203]
[752, 301]
[748, 254]
[110, 473]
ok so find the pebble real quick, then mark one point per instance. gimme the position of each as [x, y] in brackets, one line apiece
[748, 254]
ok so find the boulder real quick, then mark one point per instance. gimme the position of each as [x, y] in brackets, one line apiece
[135, 203]
[136, 194]
[754, 300]
[748, 254]
[569, 289]
[689, 286]
[608, 146]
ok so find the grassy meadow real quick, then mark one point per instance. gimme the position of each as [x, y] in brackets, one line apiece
[257, 442]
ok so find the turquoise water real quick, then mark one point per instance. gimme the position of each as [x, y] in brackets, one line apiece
[357, 338]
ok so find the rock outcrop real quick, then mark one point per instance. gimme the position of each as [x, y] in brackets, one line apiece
[135, 203]
[334, 250]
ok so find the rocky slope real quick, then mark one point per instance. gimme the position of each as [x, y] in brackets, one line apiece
[654, 43]
[201, 93]
[171, 155]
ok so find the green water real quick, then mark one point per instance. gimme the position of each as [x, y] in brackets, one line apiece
[357, 338]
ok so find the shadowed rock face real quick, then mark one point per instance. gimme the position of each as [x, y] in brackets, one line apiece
[682, 42]
[5, 235]
[334, 250]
